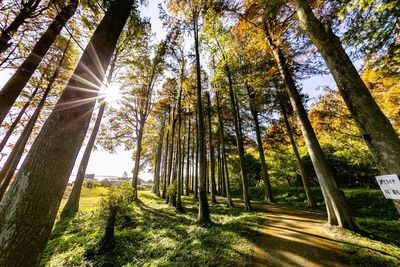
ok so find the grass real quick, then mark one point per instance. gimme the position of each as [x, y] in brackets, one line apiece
[151, 233]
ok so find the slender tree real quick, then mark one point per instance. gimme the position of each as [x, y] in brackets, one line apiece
[211, 151]
[7, 172]
[29, 208]
[268, 197]
[306, 181]
[188, 160]
[339, 212]
[229, 202]
[377, 131]
[29, 9]
[20, 78]
[72, 205]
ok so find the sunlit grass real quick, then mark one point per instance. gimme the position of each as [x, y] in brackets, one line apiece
[152, 233]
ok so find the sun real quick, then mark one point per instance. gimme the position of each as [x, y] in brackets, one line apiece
[111, 94]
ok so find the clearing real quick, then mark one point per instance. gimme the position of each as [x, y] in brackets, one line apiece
[151, 233]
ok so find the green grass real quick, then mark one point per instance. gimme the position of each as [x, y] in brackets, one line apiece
[151, 233]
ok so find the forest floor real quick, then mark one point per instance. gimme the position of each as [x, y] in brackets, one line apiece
[151, 233]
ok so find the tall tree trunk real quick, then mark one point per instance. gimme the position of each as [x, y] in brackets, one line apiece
[211, 151]
[229, 202]
[19, 116]
[339, 212]
[181, 145]
[165, 168]
[8, 33]
[72, 205]
[171, 154]
[8, 170]
[157, 171]
[20, 78]
[196, 171]
[219, 188]
[375, 128]
[188, 161]
[306, 181]
[204, 212]
[268, 197]
[239, 142]
[138, 154]
[193, 162]
[29, 208]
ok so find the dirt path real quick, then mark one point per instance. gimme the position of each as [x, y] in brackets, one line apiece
[292, 237]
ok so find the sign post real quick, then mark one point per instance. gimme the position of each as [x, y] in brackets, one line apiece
[390, 186]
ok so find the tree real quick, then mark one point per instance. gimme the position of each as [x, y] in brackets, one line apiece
[29, 9]
[377, 131]
[17, 82]
[191, 13]
[72, 205]
[211, 151]
[7, 172]
[306, 181]
[36, 192]
[229, 202]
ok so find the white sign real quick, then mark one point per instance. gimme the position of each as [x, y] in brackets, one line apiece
[390, 185]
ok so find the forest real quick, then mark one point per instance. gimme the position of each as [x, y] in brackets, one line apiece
[270, 129]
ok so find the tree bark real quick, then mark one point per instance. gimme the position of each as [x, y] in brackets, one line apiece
[211, 151]
[157, 170]
[19, 116]
[8, 33]
[196, 171]
[20, 78]
[239, 143]
[72, 205]
[138, 153]
[188, 161]
[29, 208]
[375, 128]
[8, 170]
[268, 197]
[229, 201]
[306, 181]
[339, 212]
[204, 212]
[165, 168]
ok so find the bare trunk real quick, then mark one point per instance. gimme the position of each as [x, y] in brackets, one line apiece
[29, 208]
[306, 182]
[165, 168]
[8, 33]
[211, 151]
[138, 154]
[157, 170]
[333, 197]
[375, 128]
[204, 212]
[229, 201]
[268, 197]
[7, 172]
[19, 116]
[239, 143]
[72, 205]
[196, 171]
[17, 82]
[188, 161]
